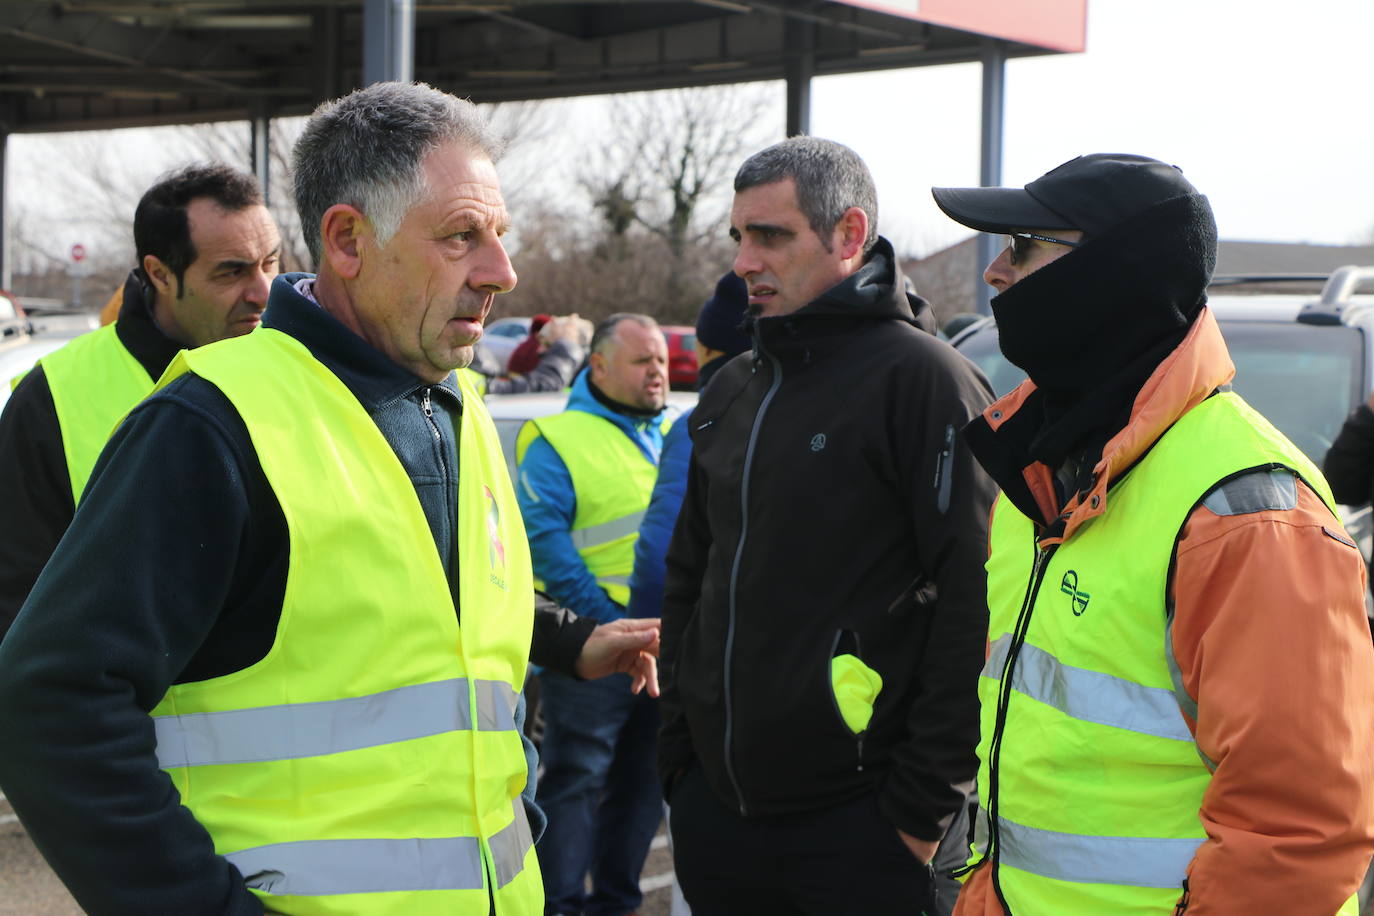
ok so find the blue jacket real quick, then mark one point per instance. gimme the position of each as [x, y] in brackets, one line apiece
[646, 583]
[548, 503]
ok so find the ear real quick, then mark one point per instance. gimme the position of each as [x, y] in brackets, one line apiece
[852, 230]
[161, 276]
[342, 231]
[597, 363]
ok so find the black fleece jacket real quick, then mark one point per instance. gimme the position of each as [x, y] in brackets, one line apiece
[831, 509]
[33, 466]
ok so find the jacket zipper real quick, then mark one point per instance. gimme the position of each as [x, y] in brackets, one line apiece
[450, 491]
[944, 471]
[734, 577]
[1018, 637]
[1182, 906]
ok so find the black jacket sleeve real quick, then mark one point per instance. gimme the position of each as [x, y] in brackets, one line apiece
[1349, 464]
[949, 499]
[685, 565]
[122, 608]
[38, 503]
[559, 635]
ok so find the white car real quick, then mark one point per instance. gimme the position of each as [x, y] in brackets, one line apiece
[502, 336]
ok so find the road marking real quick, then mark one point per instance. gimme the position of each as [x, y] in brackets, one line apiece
[8, 819]
[660, 842]
[655, 883]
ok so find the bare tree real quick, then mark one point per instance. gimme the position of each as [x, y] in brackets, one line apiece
[658, 186]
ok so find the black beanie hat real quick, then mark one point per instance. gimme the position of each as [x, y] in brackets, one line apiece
[718, 324]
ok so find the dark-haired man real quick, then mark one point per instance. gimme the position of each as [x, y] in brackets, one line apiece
[207, 252]
[1176, 704]
[823, 614]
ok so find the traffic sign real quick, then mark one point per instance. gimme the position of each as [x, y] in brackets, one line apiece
[78, 252]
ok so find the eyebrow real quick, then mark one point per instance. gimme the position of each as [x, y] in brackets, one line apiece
[768, 227]
[236, 263]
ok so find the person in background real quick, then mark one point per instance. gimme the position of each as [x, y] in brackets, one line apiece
[562, 354]
[585, 477]
[1176, 706]
[823, 608]
[525, 356]
[207, 252]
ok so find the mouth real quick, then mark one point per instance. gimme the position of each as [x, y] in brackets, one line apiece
[760, 296]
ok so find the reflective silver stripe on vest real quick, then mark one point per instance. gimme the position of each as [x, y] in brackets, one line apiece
[495, 706]
[319, 867]
[315, 868]
[299, 730]
[613, 580]
[510, 845]
[1090, 696]
[606, 532]
[1132, 861]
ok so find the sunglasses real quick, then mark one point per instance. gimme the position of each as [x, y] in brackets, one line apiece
[1020, 245]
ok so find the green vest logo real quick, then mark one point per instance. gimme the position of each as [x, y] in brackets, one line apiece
[1078, 601]
[496, 554]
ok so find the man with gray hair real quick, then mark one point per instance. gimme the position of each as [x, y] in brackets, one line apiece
[823, 614]
[586, 476]
[276, 662]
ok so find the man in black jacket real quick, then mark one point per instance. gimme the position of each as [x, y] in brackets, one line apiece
[824, 617]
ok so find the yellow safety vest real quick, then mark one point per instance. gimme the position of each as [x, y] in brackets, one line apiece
[95, 382]
[612, 481]
[1098, 780]
[370, 763]
[479, 381]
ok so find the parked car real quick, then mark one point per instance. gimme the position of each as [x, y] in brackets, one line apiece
[682, 356]
[502, 336]
[14, 324]
[1303, 361]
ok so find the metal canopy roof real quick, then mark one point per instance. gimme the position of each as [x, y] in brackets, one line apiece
[86, 64]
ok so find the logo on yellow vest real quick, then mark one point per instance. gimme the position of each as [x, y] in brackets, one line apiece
[496, 552]
[1078, 601]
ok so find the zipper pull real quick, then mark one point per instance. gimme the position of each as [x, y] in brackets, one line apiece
[426, 406]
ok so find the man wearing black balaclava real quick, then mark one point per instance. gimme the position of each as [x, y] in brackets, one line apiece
[1176, 704]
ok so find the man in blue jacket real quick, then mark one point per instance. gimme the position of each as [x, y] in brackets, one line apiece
[584, 483]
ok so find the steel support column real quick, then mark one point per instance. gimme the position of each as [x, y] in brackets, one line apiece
[5, 266]
[994, 58]
[388, 41]
[260, 151]
[800, 66]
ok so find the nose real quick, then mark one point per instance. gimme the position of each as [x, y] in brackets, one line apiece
[260, 286]
[746, 264]
[999, 274]
[494, 272]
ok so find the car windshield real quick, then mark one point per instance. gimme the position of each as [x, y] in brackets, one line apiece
[1304, 378]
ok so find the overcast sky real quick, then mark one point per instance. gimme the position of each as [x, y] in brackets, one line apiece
[1265, 104]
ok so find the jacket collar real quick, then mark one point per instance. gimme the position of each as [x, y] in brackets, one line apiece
[373, 378]
[1186, 377]
[644, 431]
[139, 333]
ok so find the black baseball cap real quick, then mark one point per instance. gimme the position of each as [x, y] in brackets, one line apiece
[1092, 193]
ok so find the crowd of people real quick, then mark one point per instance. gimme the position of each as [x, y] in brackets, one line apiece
[877, 642]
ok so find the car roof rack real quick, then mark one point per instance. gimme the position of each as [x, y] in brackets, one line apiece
[1337, 293]
[1248, 279]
